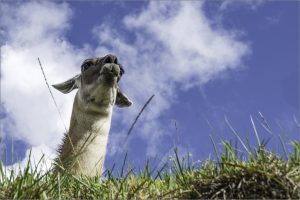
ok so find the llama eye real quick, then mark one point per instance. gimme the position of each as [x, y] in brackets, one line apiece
[85, 66]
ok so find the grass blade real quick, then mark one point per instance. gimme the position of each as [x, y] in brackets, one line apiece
[255, 131]
[236, 134]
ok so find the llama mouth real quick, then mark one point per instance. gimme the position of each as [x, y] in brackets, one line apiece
[109, 74]
[108, 78]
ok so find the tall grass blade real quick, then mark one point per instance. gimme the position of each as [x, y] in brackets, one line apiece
[215, 148]
[52, 96]
[213, 130]
[255, 130]
[132, 126]
[263, 122]
[283, 146]
[296, 121]
[236, 134]
[124, 162]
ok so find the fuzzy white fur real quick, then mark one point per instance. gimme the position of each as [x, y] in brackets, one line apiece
[84, 146]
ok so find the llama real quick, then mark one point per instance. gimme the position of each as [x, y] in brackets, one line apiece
[84, 146]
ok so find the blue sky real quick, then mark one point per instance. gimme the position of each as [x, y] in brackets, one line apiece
[203, 61]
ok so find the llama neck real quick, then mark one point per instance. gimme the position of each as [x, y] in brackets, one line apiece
[83, 122]
[88, 134]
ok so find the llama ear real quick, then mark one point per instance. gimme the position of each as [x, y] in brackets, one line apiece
[122, 100]
[69, 85]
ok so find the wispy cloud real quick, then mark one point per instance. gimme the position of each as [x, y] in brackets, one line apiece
[174, 48]
[252, 4]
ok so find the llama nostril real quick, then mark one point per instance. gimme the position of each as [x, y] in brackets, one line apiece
[111, 69]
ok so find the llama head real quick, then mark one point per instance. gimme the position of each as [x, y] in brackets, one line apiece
[97, 84]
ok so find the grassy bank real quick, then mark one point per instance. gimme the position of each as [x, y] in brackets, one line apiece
[250, 172]
[263, 175]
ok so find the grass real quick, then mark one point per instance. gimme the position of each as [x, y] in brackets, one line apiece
[251, 173]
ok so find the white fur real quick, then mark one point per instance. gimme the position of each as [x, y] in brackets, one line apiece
[84, 147]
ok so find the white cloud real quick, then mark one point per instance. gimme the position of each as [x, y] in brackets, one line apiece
[174, 46]
[36, 29]
[29, 23]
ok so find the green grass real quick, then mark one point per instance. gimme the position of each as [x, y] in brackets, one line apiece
[251, 173]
